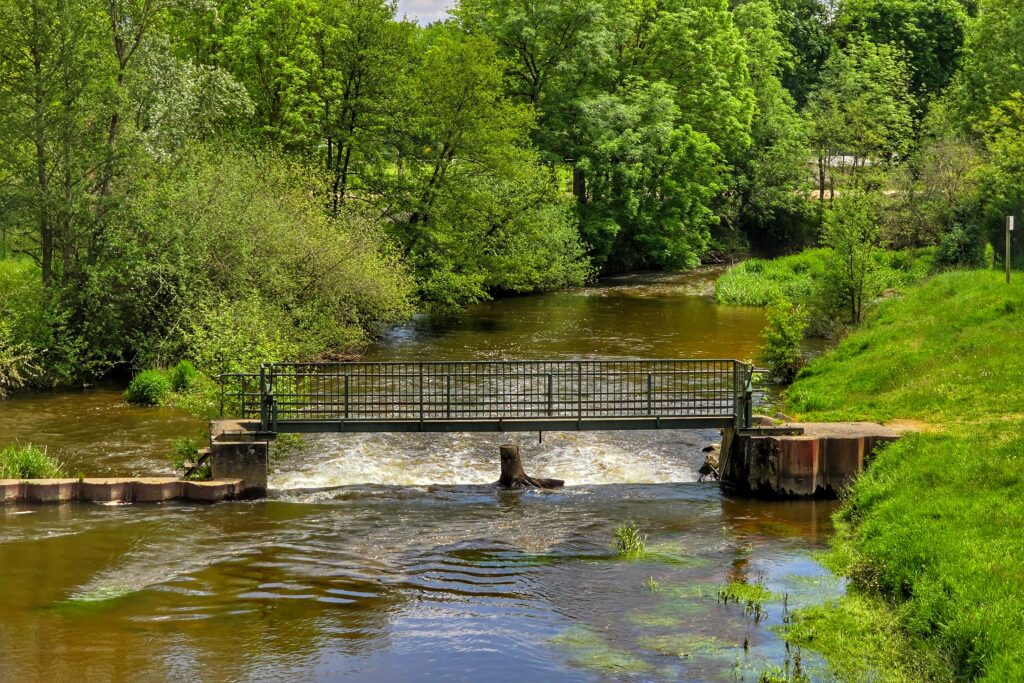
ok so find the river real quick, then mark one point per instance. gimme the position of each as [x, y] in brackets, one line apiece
[387, 558]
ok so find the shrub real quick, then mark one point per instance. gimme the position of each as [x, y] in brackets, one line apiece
[962, 245]
[782, 337]
[16, 366]
[28, 462]
[183, 376]
[148, 388]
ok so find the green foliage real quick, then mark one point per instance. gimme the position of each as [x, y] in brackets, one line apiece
[759, 282]
[148, 388]
[183, 376]
[28, 462]
[992, 62]
[930, 33]
[628, 540]
[186, 451]
[782, 341]
[962, 244]
[16, 361]
[862, 113]
[853, 277]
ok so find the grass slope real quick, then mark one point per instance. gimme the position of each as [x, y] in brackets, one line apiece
[933, 532]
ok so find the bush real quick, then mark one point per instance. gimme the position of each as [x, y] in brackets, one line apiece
[148, 388]
[183, 376]
[963, 244]
[28, 462]
[783, 335]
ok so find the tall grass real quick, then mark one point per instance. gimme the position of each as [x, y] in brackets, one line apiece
[932, 532]
[760, 282]
[28, 462]
[629, 542]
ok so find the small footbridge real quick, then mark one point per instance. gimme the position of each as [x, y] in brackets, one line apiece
[492, 396]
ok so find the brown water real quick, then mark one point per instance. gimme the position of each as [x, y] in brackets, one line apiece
[386, 557]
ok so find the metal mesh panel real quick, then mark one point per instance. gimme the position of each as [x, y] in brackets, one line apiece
[489, 390]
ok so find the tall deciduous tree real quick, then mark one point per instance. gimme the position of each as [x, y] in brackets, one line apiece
[862, 114]
[930, 33]
[772, 178]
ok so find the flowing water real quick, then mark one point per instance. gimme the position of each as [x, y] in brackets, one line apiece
[387, 557]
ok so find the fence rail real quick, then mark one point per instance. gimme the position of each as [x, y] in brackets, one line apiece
[492, 395]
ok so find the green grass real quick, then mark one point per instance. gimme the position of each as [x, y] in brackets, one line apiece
[932, 535]
[28, 462]
[759, 282]
[628, 540]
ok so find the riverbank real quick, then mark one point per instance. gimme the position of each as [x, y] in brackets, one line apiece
[930, 535]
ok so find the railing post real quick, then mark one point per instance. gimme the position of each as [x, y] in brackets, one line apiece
[737, 394]
[448, 396]
[650, 393]
[579, 393]
[551, 394]
[346, 395]
[748, 397]
[264, 399]
[421, 396]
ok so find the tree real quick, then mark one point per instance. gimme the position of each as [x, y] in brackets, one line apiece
[771, 178]
[853, 279]
[993, 63]
[556, 52]
[652, 180]
[364, 65]
[930, 33]
[272, 49]
[862, 114]
[473, 210]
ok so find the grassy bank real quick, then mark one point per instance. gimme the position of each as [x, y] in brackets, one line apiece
[931, 535]
[760, 282]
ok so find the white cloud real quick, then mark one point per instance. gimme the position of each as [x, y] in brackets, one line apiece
[424, 10]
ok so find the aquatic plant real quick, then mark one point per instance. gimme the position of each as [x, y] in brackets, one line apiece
[652, 584]
[628, 540]
[751, 595]
[148, 388]
[28, 462]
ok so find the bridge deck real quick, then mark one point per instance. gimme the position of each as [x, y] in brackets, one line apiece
[475, 396]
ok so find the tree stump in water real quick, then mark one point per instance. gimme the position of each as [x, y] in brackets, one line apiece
[513, 476]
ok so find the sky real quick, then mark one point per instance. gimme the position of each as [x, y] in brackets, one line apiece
[424, 10]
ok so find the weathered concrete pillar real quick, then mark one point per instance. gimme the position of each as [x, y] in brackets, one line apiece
[244, 460]
[812, 460]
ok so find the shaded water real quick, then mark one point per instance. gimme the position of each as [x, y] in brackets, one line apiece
[386, 557]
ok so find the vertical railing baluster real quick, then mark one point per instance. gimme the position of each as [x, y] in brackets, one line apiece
[650, 393]
[448, 395]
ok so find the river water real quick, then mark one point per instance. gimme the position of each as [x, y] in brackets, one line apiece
[388, 558]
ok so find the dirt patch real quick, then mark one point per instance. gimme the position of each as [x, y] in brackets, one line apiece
[913, 426]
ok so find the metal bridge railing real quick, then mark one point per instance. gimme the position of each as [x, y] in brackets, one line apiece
[460, 391]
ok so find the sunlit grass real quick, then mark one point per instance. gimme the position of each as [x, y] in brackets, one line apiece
[28, 462]
[931, 533]
[628, 540]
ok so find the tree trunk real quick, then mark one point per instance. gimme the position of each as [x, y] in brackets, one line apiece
[513, 476]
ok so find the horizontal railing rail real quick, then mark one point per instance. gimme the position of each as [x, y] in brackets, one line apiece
[385, 396]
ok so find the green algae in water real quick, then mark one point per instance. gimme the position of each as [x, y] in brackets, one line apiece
[686, 645]
[587, 649]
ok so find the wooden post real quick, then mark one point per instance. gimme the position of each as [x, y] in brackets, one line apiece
[1009, 253]
[513, 476]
